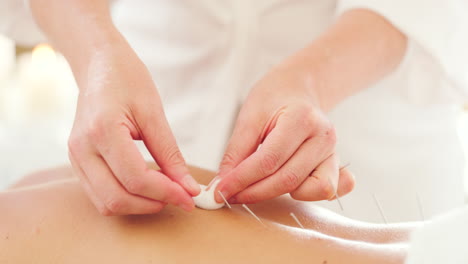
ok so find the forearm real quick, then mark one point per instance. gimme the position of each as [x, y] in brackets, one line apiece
[80, 29]
[358, 50]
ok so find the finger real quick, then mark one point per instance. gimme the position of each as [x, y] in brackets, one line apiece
[77, 171]
[161, 143]
[289, 177]
[277, 148]
[244, 141]
[320, 185]
[127, 164]
[346, 183]
[112, 194]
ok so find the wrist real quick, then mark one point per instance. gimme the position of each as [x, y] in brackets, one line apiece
[306, 73]
[112, 67]
[85, 53]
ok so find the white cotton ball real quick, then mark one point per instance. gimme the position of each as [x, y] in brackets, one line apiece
[206, 198]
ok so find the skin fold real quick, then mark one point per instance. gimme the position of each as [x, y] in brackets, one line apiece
[50, 216]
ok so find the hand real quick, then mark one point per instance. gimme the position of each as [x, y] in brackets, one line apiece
[118, 103]
[282, 143]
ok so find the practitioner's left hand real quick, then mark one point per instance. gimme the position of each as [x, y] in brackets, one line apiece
[282, 143]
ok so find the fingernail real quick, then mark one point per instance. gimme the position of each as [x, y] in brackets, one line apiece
[191, 184]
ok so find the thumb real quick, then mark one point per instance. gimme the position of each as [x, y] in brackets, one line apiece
[161, 143]
[244, 141]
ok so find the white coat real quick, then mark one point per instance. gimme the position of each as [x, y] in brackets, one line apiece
[400, 135]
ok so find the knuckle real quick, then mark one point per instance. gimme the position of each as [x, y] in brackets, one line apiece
[330, 134]
[304, 109]
[306, 117]
[290, 180]
[269, 162]
[228, 159]
[173, 156]
[309, 122]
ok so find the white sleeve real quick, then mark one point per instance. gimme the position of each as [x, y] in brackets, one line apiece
[443, 240]
[17, 22]
[437, 55]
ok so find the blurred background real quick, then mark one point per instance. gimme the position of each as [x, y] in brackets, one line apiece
[37, 104]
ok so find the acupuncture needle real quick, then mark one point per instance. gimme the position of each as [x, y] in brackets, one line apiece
[224, 198]
[380, 208]
[252, 213]
[336, 189]
[336, 193]
[296, 219]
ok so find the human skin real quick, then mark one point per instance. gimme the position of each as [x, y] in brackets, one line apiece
[118, 102]
[50, 216]
[284, 112]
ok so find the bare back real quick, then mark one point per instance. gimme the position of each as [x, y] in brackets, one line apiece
[54, 222]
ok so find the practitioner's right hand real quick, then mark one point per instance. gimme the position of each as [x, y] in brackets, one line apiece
[119, 103]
